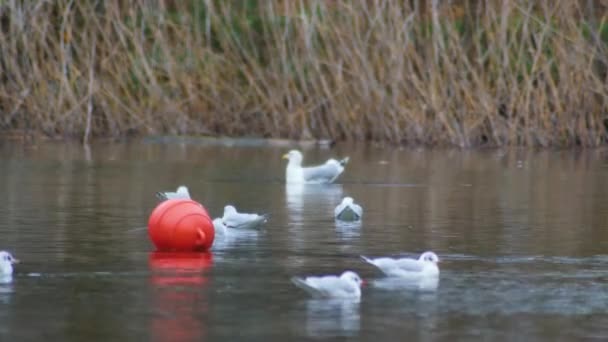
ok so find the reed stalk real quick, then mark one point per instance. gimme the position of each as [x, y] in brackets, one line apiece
[463, 73]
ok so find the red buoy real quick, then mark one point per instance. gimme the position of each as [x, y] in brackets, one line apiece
[181, 225]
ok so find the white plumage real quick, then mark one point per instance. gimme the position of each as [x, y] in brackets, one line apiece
[324, 173]
[347, 285]
[234, 219]
[181, 193]
[426, 265]
[6, 263]
[348, 210]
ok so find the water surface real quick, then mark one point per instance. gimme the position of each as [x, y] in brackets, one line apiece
[522, 236]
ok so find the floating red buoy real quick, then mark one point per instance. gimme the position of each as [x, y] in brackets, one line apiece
[181, 225]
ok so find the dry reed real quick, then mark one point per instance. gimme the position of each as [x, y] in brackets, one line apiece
[462, 73]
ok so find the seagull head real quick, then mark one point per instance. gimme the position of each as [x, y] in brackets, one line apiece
[6, 257]
[429, 257]
[294, 157]
[6, 263]
[347, 200]
[352, 277]
[229, 209]
[219, 226]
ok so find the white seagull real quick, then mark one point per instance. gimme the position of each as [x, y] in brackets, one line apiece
[181, 193]
[324, 173]
[219, 226]
[347, 285]
[348, 210]
[234, 219]
[426, 265]
[6, 263]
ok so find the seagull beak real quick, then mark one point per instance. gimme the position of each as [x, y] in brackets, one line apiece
[285, 156]
[363, 283]
[15, 261]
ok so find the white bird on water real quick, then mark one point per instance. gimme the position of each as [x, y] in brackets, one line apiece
[234, 219]
[6, 263]
[426, 265]
[347, 285]
[181, 193]
[348, 210]
[320, 174]
[219, 226]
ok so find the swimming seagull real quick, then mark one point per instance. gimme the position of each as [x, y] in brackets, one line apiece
[181, 193]
[6, 263]
[348, 210]
[347, 285]
[324, 173]
[219, 226]
[234, 219]
[426, 265]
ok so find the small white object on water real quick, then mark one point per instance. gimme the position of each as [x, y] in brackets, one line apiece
[234, 219]
[348, 210]
[6, 263]
[426, 265]
[347, 285]
[181, 193]
[320, 174]
[219, 226]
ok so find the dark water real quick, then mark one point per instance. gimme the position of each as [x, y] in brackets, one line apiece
[523, 236]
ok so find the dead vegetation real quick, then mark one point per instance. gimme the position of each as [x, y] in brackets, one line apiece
[464, 73]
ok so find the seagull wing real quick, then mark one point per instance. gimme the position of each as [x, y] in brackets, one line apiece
[327, 286]
[181, 193]
[392, 266]
[357, 210]
[325, 173]
[339, 209]
[242, 220]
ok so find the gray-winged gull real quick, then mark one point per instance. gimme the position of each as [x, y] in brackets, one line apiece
[181, 193]
[348, 210]
[426, 265]
[234, 219]
[325, 173]
[6, 263]
[347, 285]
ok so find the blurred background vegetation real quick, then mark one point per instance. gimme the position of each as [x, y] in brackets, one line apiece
[463, 73]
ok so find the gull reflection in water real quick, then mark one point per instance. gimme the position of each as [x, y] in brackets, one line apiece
[6, 288]
[332, 317]
[234, 237]
[300, 197]
[417, 283]
[348, 230]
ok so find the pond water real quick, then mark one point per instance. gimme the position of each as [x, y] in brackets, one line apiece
[522, 236]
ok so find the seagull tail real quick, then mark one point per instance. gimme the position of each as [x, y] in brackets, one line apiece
[266, 217]
[344, 161]
[301, 283]
[161, 196]
[366, 259]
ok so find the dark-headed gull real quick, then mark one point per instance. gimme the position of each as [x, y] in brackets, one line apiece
[181, 193]
[426, 265]
[348, 210]
[234, 219]
[6, 263]
[219, 226]
[324, 173]
[347, 285]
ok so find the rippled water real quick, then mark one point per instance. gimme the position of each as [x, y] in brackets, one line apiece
[522, 236]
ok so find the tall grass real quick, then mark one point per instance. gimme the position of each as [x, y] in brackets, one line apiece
[462, 73]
